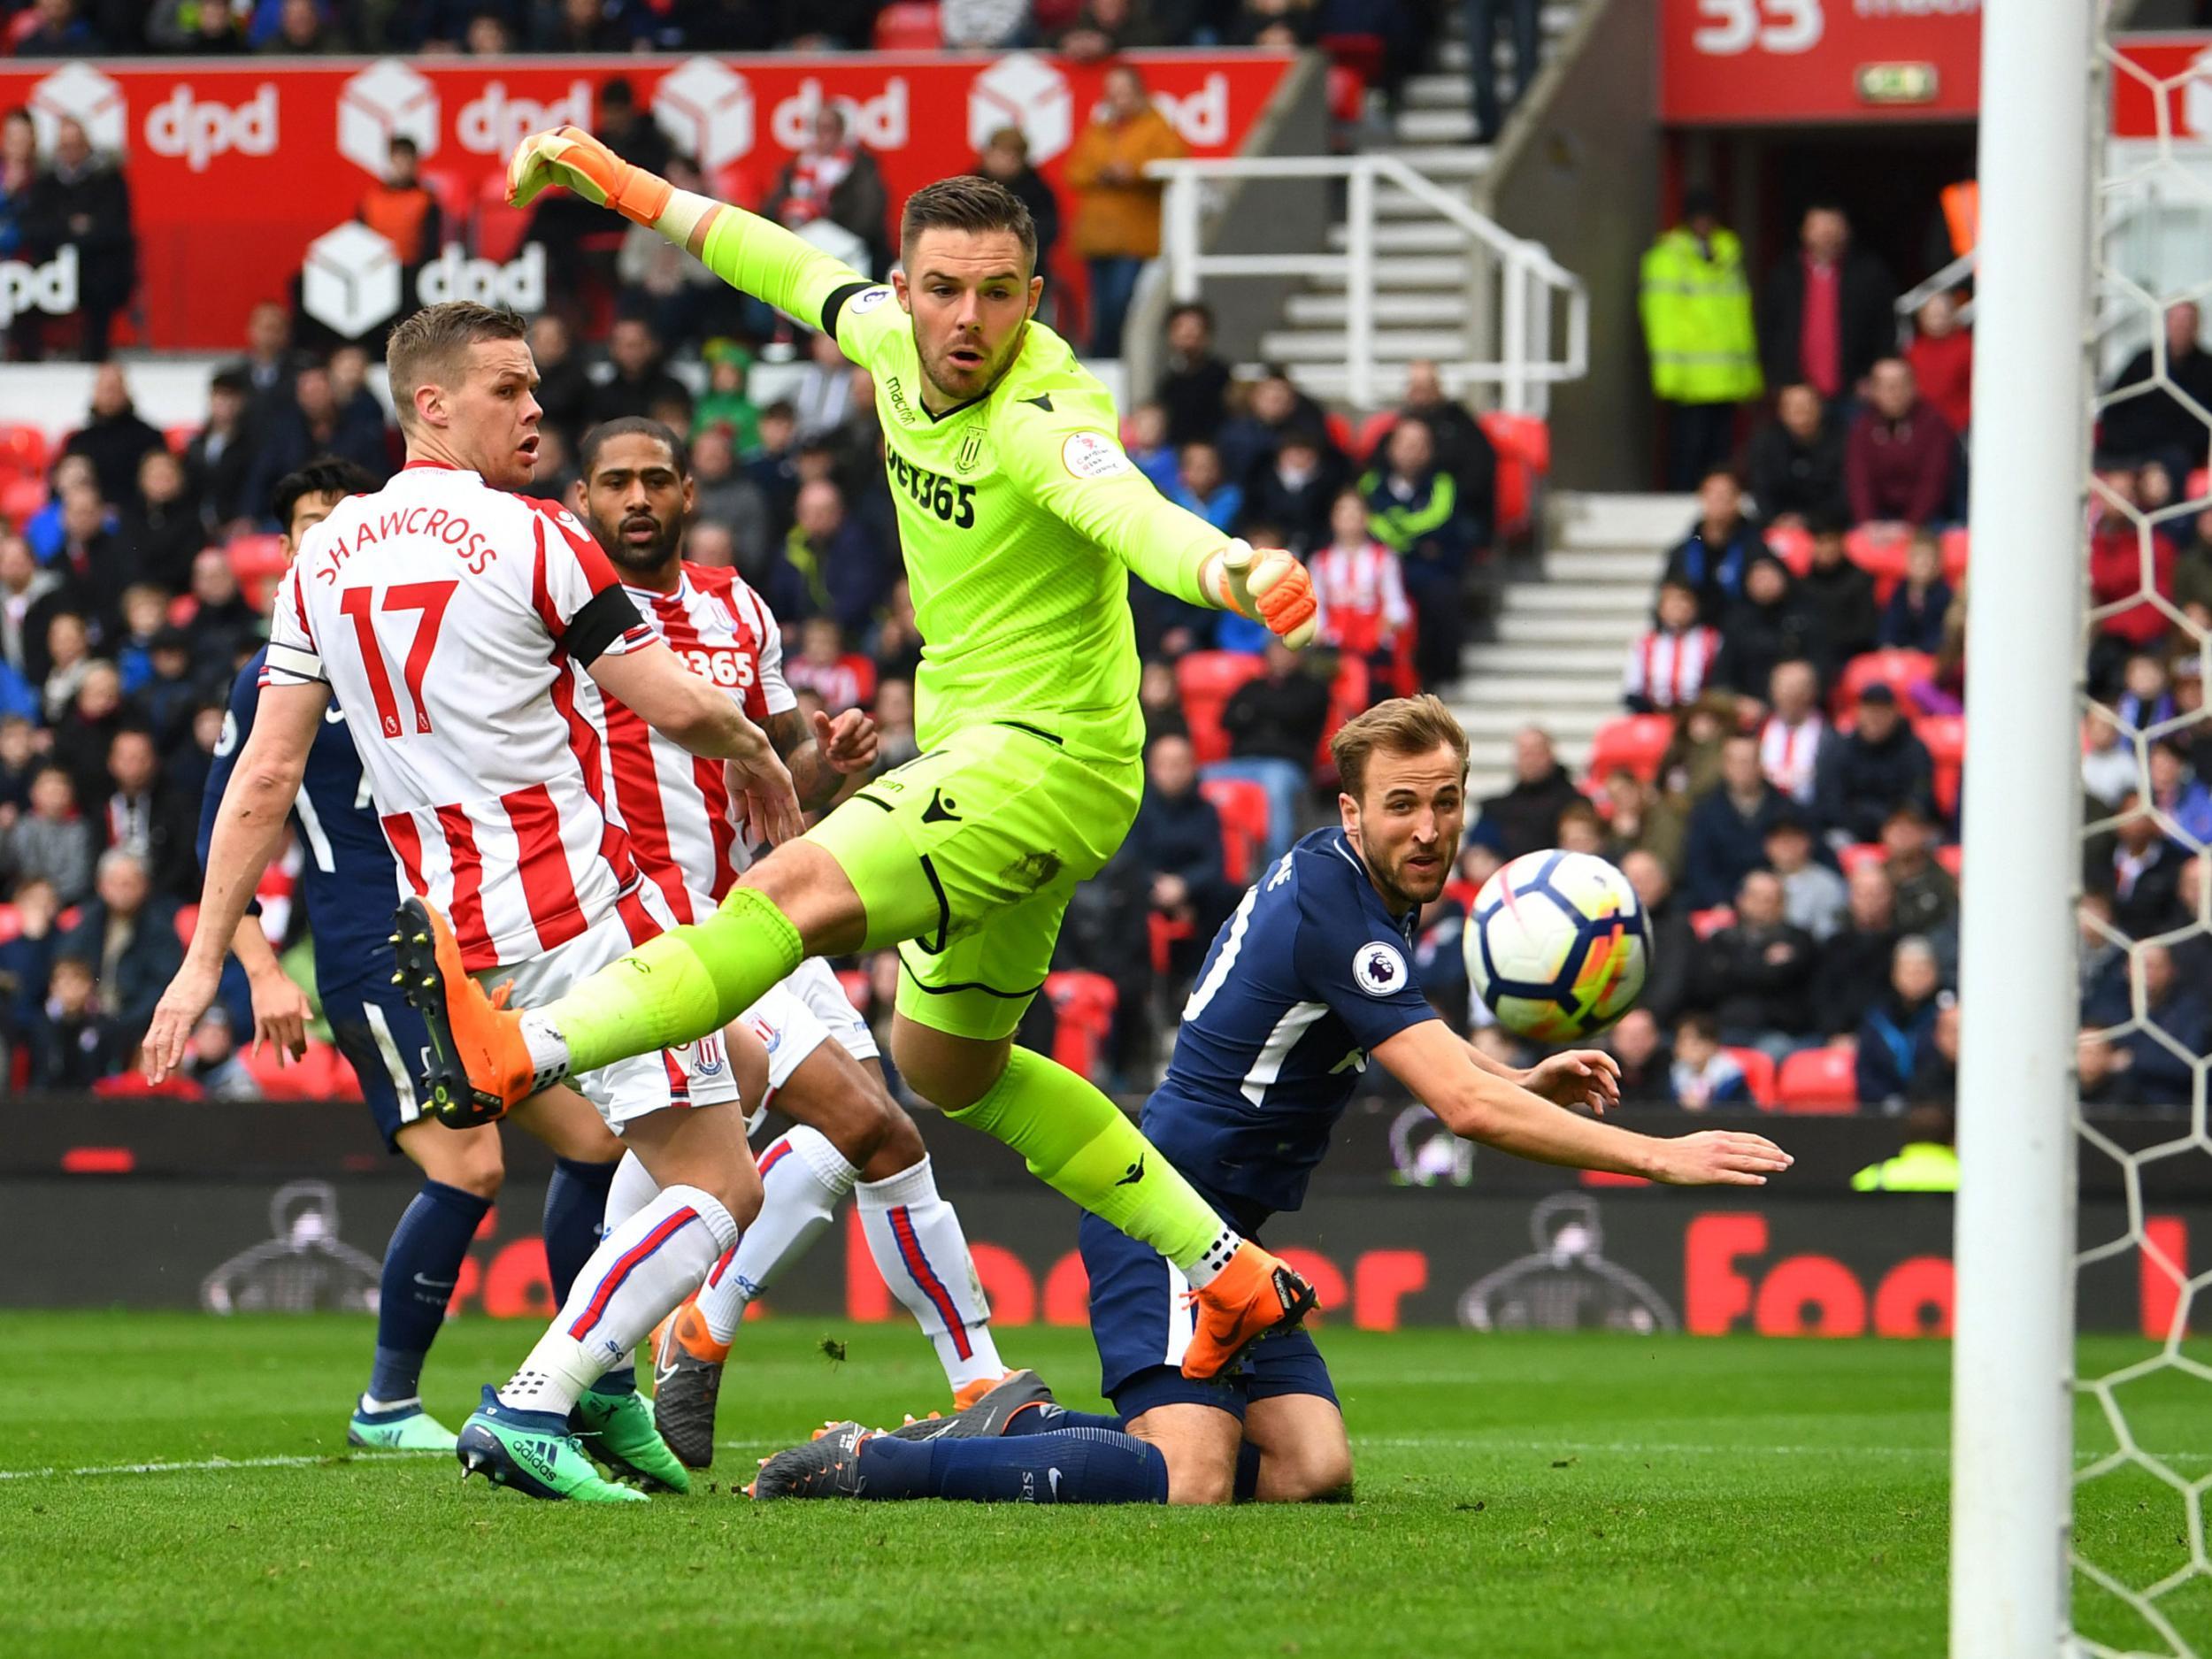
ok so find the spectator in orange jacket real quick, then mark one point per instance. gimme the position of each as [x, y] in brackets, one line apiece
[1117, 208]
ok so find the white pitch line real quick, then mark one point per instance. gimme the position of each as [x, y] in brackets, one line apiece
[300, 1461]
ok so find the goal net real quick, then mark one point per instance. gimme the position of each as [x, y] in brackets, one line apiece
[2082, 1467]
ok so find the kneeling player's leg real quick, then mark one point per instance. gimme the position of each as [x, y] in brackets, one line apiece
[1199, 1444]
[1304, 1452]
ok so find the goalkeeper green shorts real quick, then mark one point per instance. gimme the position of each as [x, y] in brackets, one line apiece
[966, 858]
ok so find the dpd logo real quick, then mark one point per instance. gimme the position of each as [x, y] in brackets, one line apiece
[81, 93]
[199, 130]
[1022, 89]
[496, 123]
[706, 109]
[881, 122]
[50, 288]
[351, 280]
[386, 100]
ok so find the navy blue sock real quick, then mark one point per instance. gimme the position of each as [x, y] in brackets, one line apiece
[575, 1212]
[1085, 1465]
[421, 1265]
[1248, 1481]
[1049, 1419]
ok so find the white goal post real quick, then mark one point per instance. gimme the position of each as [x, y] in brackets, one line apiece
[2012, 1361]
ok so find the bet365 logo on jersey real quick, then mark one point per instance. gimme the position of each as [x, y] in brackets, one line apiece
[733, 671]
[953, 504]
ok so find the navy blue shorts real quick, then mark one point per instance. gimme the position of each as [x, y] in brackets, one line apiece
[383, 1040]
[1141, 1326]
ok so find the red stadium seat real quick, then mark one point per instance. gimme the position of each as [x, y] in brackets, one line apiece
[1634, 741]
[178, 438]
[909, 26]
[1956, 544]
[1706, 923]
[1794, 546]
[1951, 857]
[1882, 558]
[1818, 1080]
[853, 983]
[454, 197]
[336, 1076]
[1337, 425]
[25, 450]
[1084, 1003]
[22, 498]
[1860, 853]
[22, 26]
[1347, 94]
[11, 924]
[1945, 734]
[188, 918]
[1162, 934]
[1242, 805]
[1899, 669]
[499, 227]
[1362, 54]
[1524, 447]
[1372, 432]
[1350, 694]
[283, 1078]
[1207, 679]
[1758, 1071]
[259, 562]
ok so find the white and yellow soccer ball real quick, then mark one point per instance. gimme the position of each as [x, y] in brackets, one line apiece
[1557, 945]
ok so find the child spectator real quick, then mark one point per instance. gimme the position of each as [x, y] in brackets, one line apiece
[52, 842]
[726, 404]
[69, 1044]
[1896, 1029]
[824, 668]
[145, 613]
[27, 963]
[1704, 1075]
[1149, 448]
[1668, 665]
[1358, 589]
[1913, 620]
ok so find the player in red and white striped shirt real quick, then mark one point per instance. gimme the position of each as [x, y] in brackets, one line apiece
[1668, 664]
[445, 614]
[635, 493]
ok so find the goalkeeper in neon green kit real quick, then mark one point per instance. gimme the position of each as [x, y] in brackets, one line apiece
[1021, 521]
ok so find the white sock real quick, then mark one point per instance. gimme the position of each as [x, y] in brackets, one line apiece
[548, 1049]
[802, 1179]
[640, 1272]
[923, 1255]
[630, 1191]
[1206, 1268]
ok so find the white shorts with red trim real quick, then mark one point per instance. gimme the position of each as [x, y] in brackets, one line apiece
[691, 1074]
[789, 1031]
[815, 983]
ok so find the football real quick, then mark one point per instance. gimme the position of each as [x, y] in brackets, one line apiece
[1557, 946]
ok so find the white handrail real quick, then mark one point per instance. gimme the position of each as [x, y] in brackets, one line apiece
[1530, 281]
[1951, 276]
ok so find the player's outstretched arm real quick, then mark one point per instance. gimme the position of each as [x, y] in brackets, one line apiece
[1440, 1070]
[247, 825]
[677, 702]
[745, 250]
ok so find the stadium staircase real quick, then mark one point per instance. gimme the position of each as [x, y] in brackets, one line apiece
[1564, 629]
[1424, 263]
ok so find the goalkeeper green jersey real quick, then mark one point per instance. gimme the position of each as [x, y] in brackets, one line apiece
[1020, 517]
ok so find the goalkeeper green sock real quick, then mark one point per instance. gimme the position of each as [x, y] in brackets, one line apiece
[675, 989]
[1083, 1146]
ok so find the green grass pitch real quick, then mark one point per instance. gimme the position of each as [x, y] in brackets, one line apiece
[1526, 1496]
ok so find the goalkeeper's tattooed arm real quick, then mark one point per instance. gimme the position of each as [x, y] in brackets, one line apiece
[744, 250]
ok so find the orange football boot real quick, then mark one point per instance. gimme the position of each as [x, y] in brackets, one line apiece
[478, 1067]
[1255, 1295]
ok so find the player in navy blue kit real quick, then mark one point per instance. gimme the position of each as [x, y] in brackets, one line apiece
[349, 883]
[1308, 981]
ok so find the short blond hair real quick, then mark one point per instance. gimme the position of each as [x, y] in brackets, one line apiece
[430, 348]
[1402, 726]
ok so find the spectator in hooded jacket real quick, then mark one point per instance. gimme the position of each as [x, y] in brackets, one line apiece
[1413, 509]
[1900, 455]
[1794, 463]
[1867, 772]
[1771, 624]
[1856, 962]
[1295, 492]
[1757, 974]
[1526, 818]
[1177, 839]
[1896, 1031]
[1728, 827]
[1842, 594]
[1716, 554]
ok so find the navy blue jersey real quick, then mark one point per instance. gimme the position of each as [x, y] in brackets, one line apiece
[349, 881]
[1307, 977]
